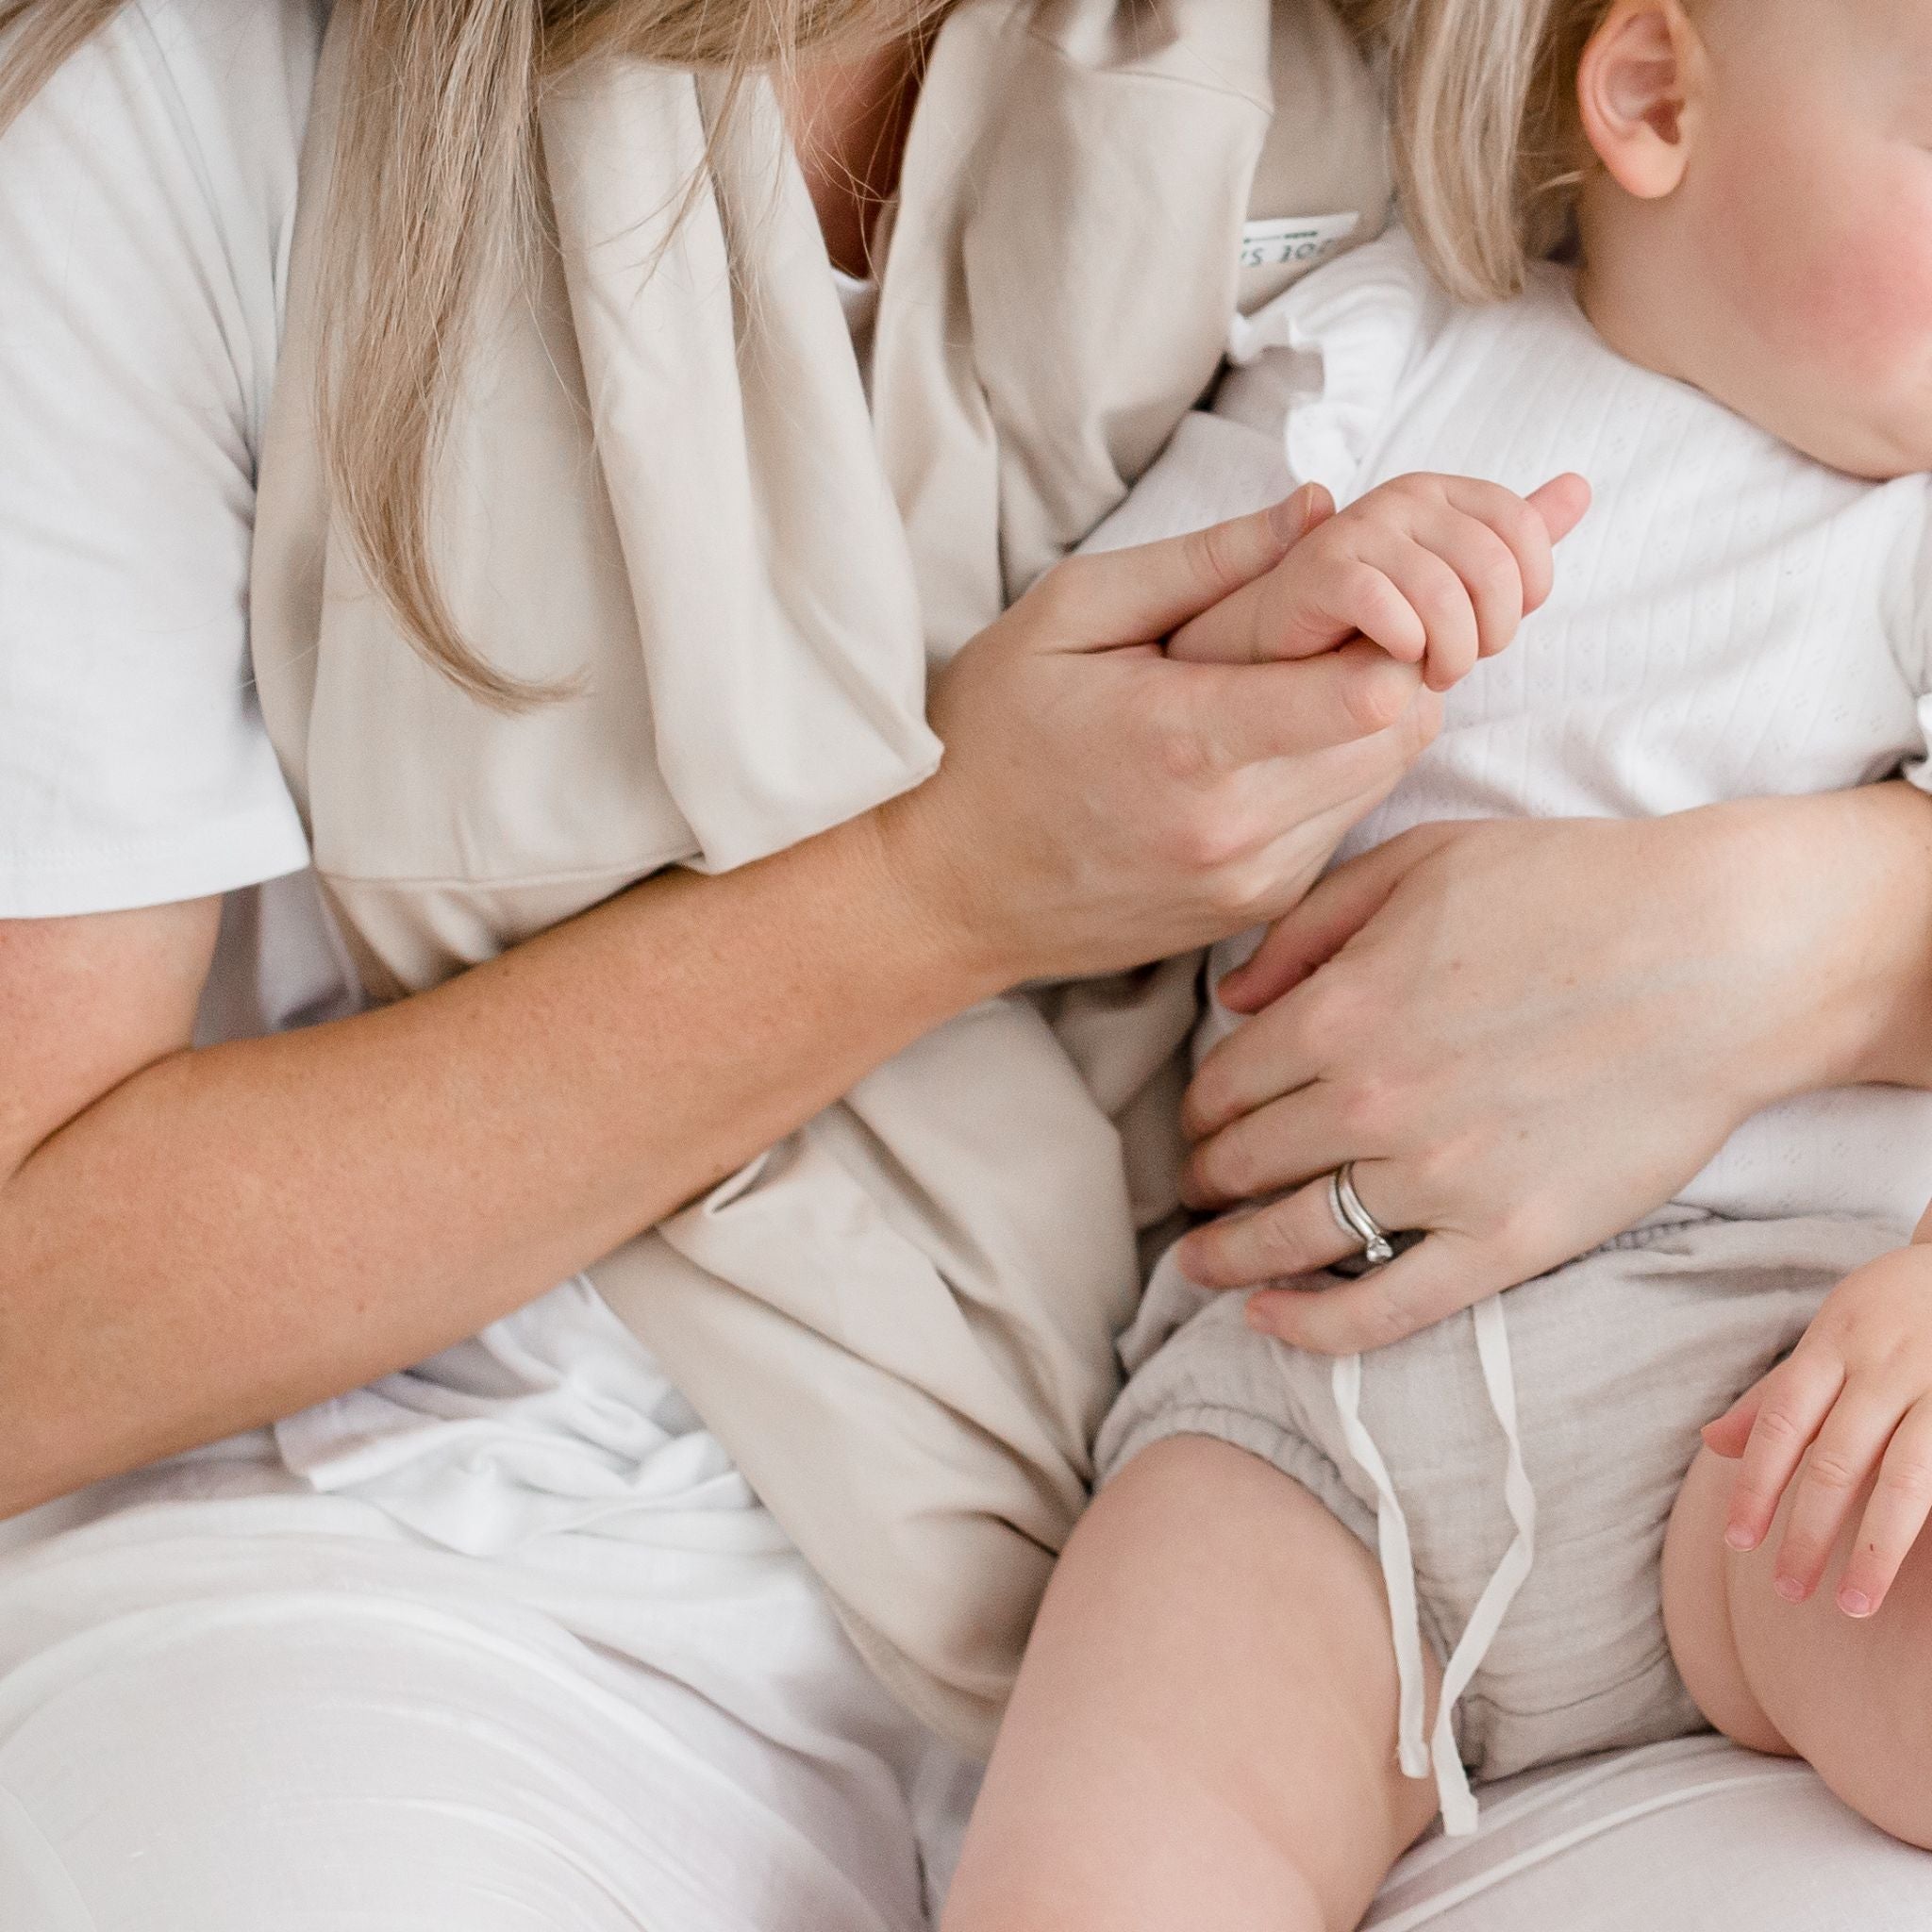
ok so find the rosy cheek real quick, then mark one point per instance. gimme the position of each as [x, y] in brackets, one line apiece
[1872, 309]
[1833, 267]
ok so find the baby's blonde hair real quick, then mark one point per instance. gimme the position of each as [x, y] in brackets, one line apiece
[1488, 149]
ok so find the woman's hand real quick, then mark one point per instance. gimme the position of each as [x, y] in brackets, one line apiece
[1528, 1035]
[1848, 1411]
[1101, 804]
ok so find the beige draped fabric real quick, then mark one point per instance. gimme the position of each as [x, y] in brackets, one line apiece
[664, 482]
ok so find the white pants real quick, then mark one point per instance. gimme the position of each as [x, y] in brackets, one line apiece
[509, 1649]
[341, 1752]
[344, 1745]
[505, 1643]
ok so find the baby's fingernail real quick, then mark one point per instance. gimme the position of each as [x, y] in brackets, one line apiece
[1740, 1538]
[1790, 1589]
[1855, 1602]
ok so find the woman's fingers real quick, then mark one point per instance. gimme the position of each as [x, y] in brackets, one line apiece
[1280, 1145]
[1250, 713]
[1797, 1397]
[1326, 920]
[1272, 1057]
[1138, 596]
[1275, 1242]
[1895, 1516]
[1849, 1445]
[1436, 1278]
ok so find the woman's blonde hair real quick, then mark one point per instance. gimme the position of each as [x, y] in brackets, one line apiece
[1487, 148]
[436, 173]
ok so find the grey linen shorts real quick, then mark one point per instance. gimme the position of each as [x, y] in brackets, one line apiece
[1619, 1359]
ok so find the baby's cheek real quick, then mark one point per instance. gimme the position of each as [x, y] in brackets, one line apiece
[1860, 283]
[1825, 249]
[1870, 308]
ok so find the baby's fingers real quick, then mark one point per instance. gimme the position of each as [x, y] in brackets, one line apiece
[1529, 527]
[1849, 1448]
[1562, 503]
[1895, 1518]
[1501, 546]
[1795, 1399]
[1730, 1435]
[1419, 599]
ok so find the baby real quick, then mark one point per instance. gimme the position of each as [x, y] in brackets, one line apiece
[1315, 1595]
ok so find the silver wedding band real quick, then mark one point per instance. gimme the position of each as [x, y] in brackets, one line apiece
[1377, 1248]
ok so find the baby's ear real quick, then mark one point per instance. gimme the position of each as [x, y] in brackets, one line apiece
[1639, 90]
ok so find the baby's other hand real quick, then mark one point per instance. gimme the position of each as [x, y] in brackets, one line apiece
[1438, 571]
[1850, 1407]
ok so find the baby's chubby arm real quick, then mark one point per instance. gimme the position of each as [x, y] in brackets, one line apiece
[1438, 571]
[1849, 1410]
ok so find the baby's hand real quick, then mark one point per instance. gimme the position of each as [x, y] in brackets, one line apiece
[1438, 571]
[1852, 1402]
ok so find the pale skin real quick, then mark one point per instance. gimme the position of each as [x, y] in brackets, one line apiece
[1203, 1731]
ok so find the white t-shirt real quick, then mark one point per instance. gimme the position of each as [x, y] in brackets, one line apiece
[147, 203]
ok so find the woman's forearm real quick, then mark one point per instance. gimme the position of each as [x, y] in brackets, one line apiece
[234, 1233]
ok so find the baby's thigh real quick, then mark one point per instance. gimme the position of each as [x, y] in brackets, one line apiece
[323, 1762]
[1697, 1614]
[1199, 1735]
[1853, 1696]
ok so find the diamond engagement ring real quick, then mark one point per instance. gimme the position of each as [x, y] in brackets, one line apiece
[1355, 1221]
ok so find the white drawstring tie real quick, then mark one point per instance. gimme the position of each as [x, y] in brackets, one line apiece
[1398, 1571]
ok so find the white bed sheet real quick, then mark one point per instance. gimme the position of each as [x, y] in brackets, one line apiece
[1693, 1836]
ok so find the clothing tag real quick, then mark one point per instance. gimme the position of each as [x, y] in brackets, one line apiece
[1295, 240]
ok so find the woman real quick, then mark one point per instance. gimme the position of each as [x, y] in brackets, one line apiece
[505, 1639]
